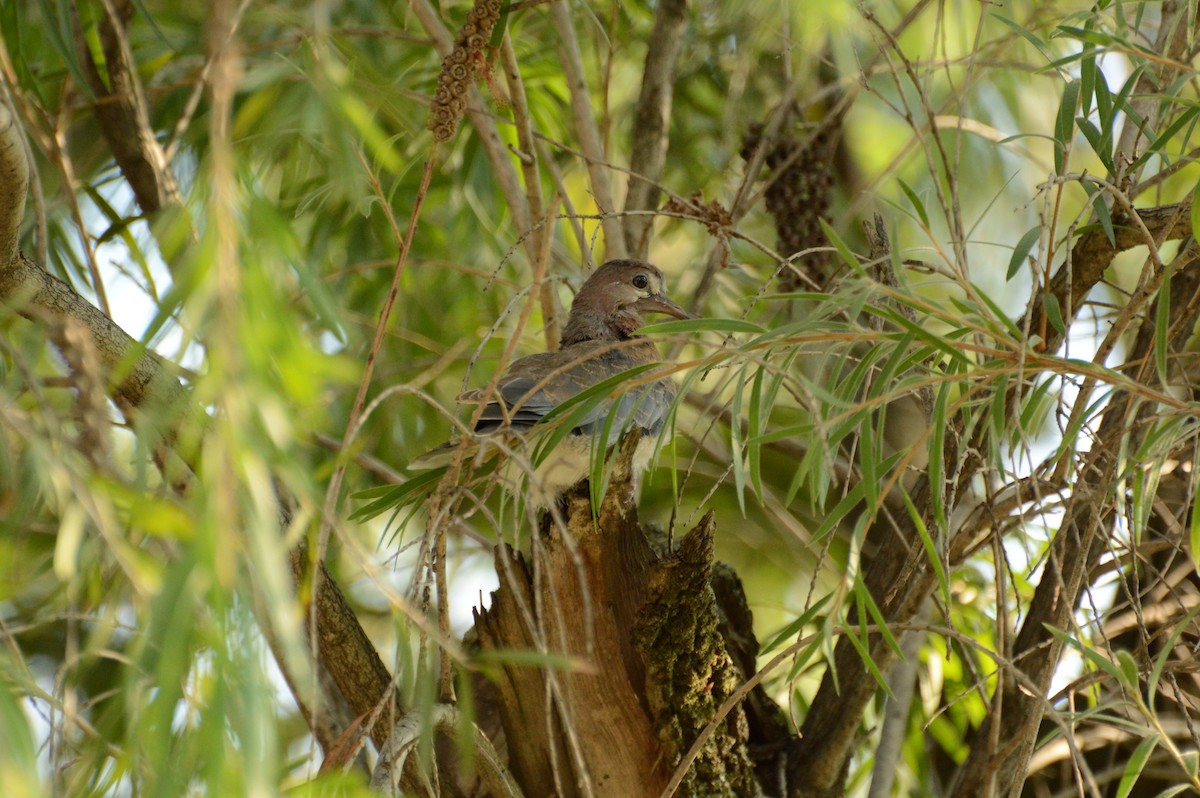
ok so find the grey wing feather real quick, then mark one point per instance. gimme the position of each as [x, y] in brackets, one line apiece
[646, 406]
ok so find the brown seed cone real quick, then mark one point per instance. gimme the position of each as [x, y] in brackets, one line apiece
[801, 175]
[460, 68]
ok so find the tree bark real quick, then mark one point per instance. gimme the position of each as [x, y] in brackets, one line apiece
[643, 661]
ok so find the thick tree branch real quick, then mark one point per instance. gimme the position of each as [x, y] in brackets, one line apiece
[140, 379]
[648, 153]
[899, 576]
[123, 111]
[14, 183]
[1091, 256]
[345, 650]
[1076, 548]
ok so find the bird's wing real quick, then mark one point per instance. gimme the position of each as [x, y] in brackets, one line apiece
[535, 385]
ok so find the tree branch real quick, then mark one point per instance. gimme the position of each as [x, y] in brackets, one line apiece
[586, 129]
[123, 111]
[14, 180]
[648, 152]
[1002, 760]
[899, 576]
[1091, 256]
[140, 379]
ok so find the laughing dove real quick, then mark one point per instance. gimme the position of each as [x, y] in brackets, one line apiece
[598, 343]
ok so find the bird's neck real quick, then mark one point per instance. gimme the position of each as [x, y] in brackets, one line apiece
[583, 327]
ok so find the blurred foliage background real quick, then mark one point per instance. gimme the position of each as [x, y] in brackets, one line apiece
[132, 613]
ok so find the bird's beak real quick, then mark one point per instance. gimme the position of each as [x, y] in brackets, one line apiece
[660, 304]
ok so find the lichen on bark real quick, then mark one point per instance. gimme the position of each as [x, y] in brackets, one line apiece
[689, 672]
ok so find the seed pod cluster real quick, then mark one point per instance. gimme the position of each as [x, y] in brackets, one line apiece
[801, 175]
[460, 68]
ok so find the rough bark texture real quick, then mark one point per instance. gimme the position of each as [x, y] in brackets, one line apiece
[649, 664]
[1001, 755]
[689, 671]
[124, 114]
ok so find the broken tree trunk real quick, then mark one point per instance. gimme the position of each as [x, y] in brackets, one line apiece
[634, 661]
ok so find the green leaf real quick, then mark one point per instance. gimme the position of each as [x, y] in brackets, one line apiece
[701, 325]
[62, 38]
[1022, 250]
[396, 495]
[868, 661]
[1087, 79]
[501, 25]
[1053, 312]
[575, 411]
[793, 627]
[1162, 322]
[1093, 656]
[942, 343]
[1064, 126]
[1133, 768]
[918, 206]
[1103, 216]
[1129, 670]
[1167, 652]
[931, 548]
[843, 251]
[756, 421]
[1104, 102]
[1196, 212]
[1159, 144]
[939, 423]
[1025, 34]
[736, 443]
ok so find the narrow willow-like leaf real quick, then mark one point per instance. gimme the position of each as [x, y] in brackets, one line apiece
[598, 474]
[573, 412]
[867, 601]
[396, 495]
[1104, 102]
[58, 28]
[1195, 215]
[1103, 215]
[1025, 34]
[839, 511]
[1087, 79]
[943, 343]
[1053, 312]
[844, 251]
[939, 423]
[918, 206]
[679, 326]
[756, 421]
[1064, 126]
[1137, 762]
[1165, 654]
[868, 661]
[1163, 323]
[1096, 140]
[868, 459]
[737, 443]
[1021, 251]
[1156, 147]
[1097, 658]
[794, 626]
[931, 548]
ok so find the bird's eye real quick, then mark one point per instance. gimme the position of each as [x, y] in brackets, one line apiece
[640, 281]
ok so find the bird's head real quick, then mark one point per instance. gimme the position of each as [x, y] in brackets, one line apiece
[612, 301]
